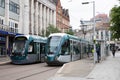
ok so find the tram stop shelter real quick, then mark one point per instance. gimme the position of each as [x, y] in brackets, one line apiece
[104, 48]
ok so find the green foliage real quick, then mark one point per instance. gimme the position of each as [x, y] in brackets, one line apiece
[115, 22]
[43, 35]
[70, 32]
[51, 29]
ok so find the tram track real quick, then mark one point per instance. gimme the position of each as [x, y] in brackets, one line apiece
[21, 72]
[20, 69]
[36, 73]
[10, 65]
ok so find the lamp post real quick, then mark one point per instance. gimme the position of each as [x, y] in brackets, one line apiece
[95, 54]
[83, 27]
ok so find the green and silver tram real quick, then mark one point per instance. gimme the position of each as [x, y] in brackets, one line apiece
[62, 48]
[28, 49]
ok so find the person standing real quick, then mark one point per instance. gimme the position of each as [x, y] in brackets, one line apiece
[98, 52]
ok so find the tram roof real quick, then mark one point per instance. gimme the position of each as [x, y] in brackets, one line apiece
[57, 34]
[65, 35]
[35, 37]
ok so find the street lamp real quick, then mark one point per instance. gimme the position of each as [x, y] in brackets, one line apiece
[83, 27]
[95, 54]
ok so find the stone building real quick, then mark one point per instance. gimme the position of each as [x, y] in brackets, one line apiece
[101, 28]
[24, 17]
[36, 15]
[65, 20]
[9, 20]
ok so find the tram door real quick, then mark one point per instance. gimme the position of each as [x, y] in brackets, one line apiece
[65, 51]
[38, 51]
[75, 50]
[71, 50]
[42, 52]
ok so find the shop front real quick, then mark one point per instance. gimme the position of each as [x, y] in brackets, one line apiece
[6, 40]
[2, 46]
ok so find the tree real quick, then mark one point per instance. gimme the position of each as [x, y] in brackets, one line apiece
[70, 32]
[51, 29]
[115, 22]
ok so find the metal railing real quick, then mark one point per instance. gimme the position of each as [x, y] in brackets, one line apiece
[8, 28]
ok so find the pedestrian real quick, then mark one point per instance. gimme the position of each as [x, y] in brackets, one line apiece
[92, 52]
[113, 50]
[98, 52]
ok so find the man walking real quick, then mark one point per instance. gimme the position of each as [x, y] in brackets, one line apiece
[98, 52]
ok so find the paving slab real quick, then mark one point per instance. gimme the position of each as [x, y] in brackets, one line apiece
[109, 69]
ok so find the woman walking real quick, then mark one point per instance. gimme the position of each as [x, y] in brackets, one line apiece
[113, 49]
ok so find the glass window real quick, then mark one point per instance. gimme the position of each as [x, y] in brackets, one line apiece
[14, 7]
[65, 50]
[18, 46]
[16, 25]
[1, 21]
[42, 48]
[53, 44]
[30, 48]
[2, 3]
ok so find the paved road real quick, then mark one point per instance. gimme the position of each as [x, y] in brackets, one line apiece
[39, 71]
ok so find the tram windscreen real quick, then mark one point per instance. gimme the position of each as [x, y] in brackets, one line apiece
[54, 42]
[19, 44]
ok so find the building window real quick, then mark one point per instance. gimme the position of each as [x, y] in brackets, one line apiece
[101, 35]
[16, 27]
[1, 21]
[14, 7]
[13, 27]
[2, 3]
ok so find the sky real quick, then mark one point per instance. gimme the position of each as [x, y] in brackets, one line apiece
[78, 11]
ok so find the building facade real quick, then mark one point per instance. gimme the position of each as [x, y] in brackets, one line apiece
[65, 20]
[101, 28]
[9, 15]
[9, 20]
[102, 34]
[24, 17]
[62, 17]
[36, 15]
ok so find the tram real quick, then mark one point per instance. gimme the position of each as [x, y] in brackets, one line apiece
[28, 49]
[62, 48]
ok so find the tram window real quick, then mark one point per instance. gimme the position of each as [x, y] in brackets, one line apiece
[65, 48]
[42, 48]
[30, 48]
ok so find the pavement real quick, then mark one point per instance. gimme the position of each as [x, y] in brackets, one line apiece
[4, 60]
[108, 69]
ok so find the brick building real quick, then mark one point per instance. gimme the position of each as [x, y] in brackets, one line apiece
[62, 17]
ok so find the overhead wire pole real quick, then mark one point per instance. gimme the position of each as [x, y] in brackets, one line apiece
[94, 34]
[95, 54]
